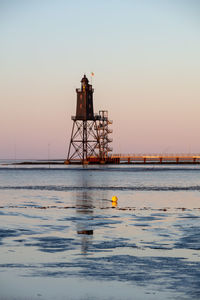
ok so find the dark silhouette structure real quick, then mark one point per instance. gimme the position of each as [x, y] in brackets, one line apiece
[90, 139]
[84, 107]
[84, 141]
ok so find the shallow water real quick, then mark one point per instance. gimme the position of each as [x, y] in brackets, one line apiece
[61, 237]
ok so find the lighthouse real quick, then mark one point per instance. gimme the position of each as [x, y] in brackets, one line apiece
[89, 142]
[84, 142]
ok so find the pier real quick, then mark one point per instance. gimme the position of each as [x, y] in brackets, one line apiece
[157, 158]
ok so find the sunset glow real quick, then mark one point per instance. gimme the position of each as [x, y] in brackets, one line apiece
[145, 59]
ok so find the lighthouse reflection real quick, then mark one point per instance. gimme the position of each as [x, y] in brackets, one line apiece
[88, 202]
[84, 211]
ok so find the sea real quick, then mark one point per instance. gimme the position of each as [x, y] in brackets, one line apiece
[62, 236]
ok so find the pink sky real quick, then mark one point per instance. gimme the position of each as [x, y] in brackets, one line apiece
[145, 57]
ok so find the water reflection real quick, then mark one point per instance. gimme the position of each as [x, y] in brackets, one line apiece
[114, 204]
[84, 211]
[86, 202]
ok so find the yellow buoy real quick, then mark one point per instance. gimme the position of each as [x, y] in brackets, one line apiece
[114, 201]
[114, 198]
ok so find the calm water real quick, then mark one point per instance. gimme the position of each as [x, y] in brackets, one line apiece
[61, 237]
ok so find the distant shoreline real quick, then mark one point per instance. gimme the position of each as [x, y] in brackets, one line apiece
[38, 163]
[121, 163]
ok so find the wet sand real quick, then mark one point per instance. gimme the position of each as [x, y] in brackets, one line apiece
[64, 241]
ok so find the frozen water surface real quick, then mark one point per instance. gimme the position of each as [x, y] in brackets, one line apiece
[61, 238]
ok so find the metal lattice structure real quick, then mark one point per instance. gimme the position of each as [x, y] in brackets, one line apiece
[104, 134]
[84, 141]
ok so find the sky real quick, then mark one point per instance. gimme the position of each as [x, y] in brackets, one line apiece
[146, 61]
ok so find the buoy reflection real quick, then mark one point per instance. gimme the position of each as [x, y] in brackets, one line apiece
[114, 204]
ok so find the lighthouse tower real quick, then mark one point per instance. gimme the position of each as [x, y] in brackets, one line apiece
[84, 107]
[84, 142]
